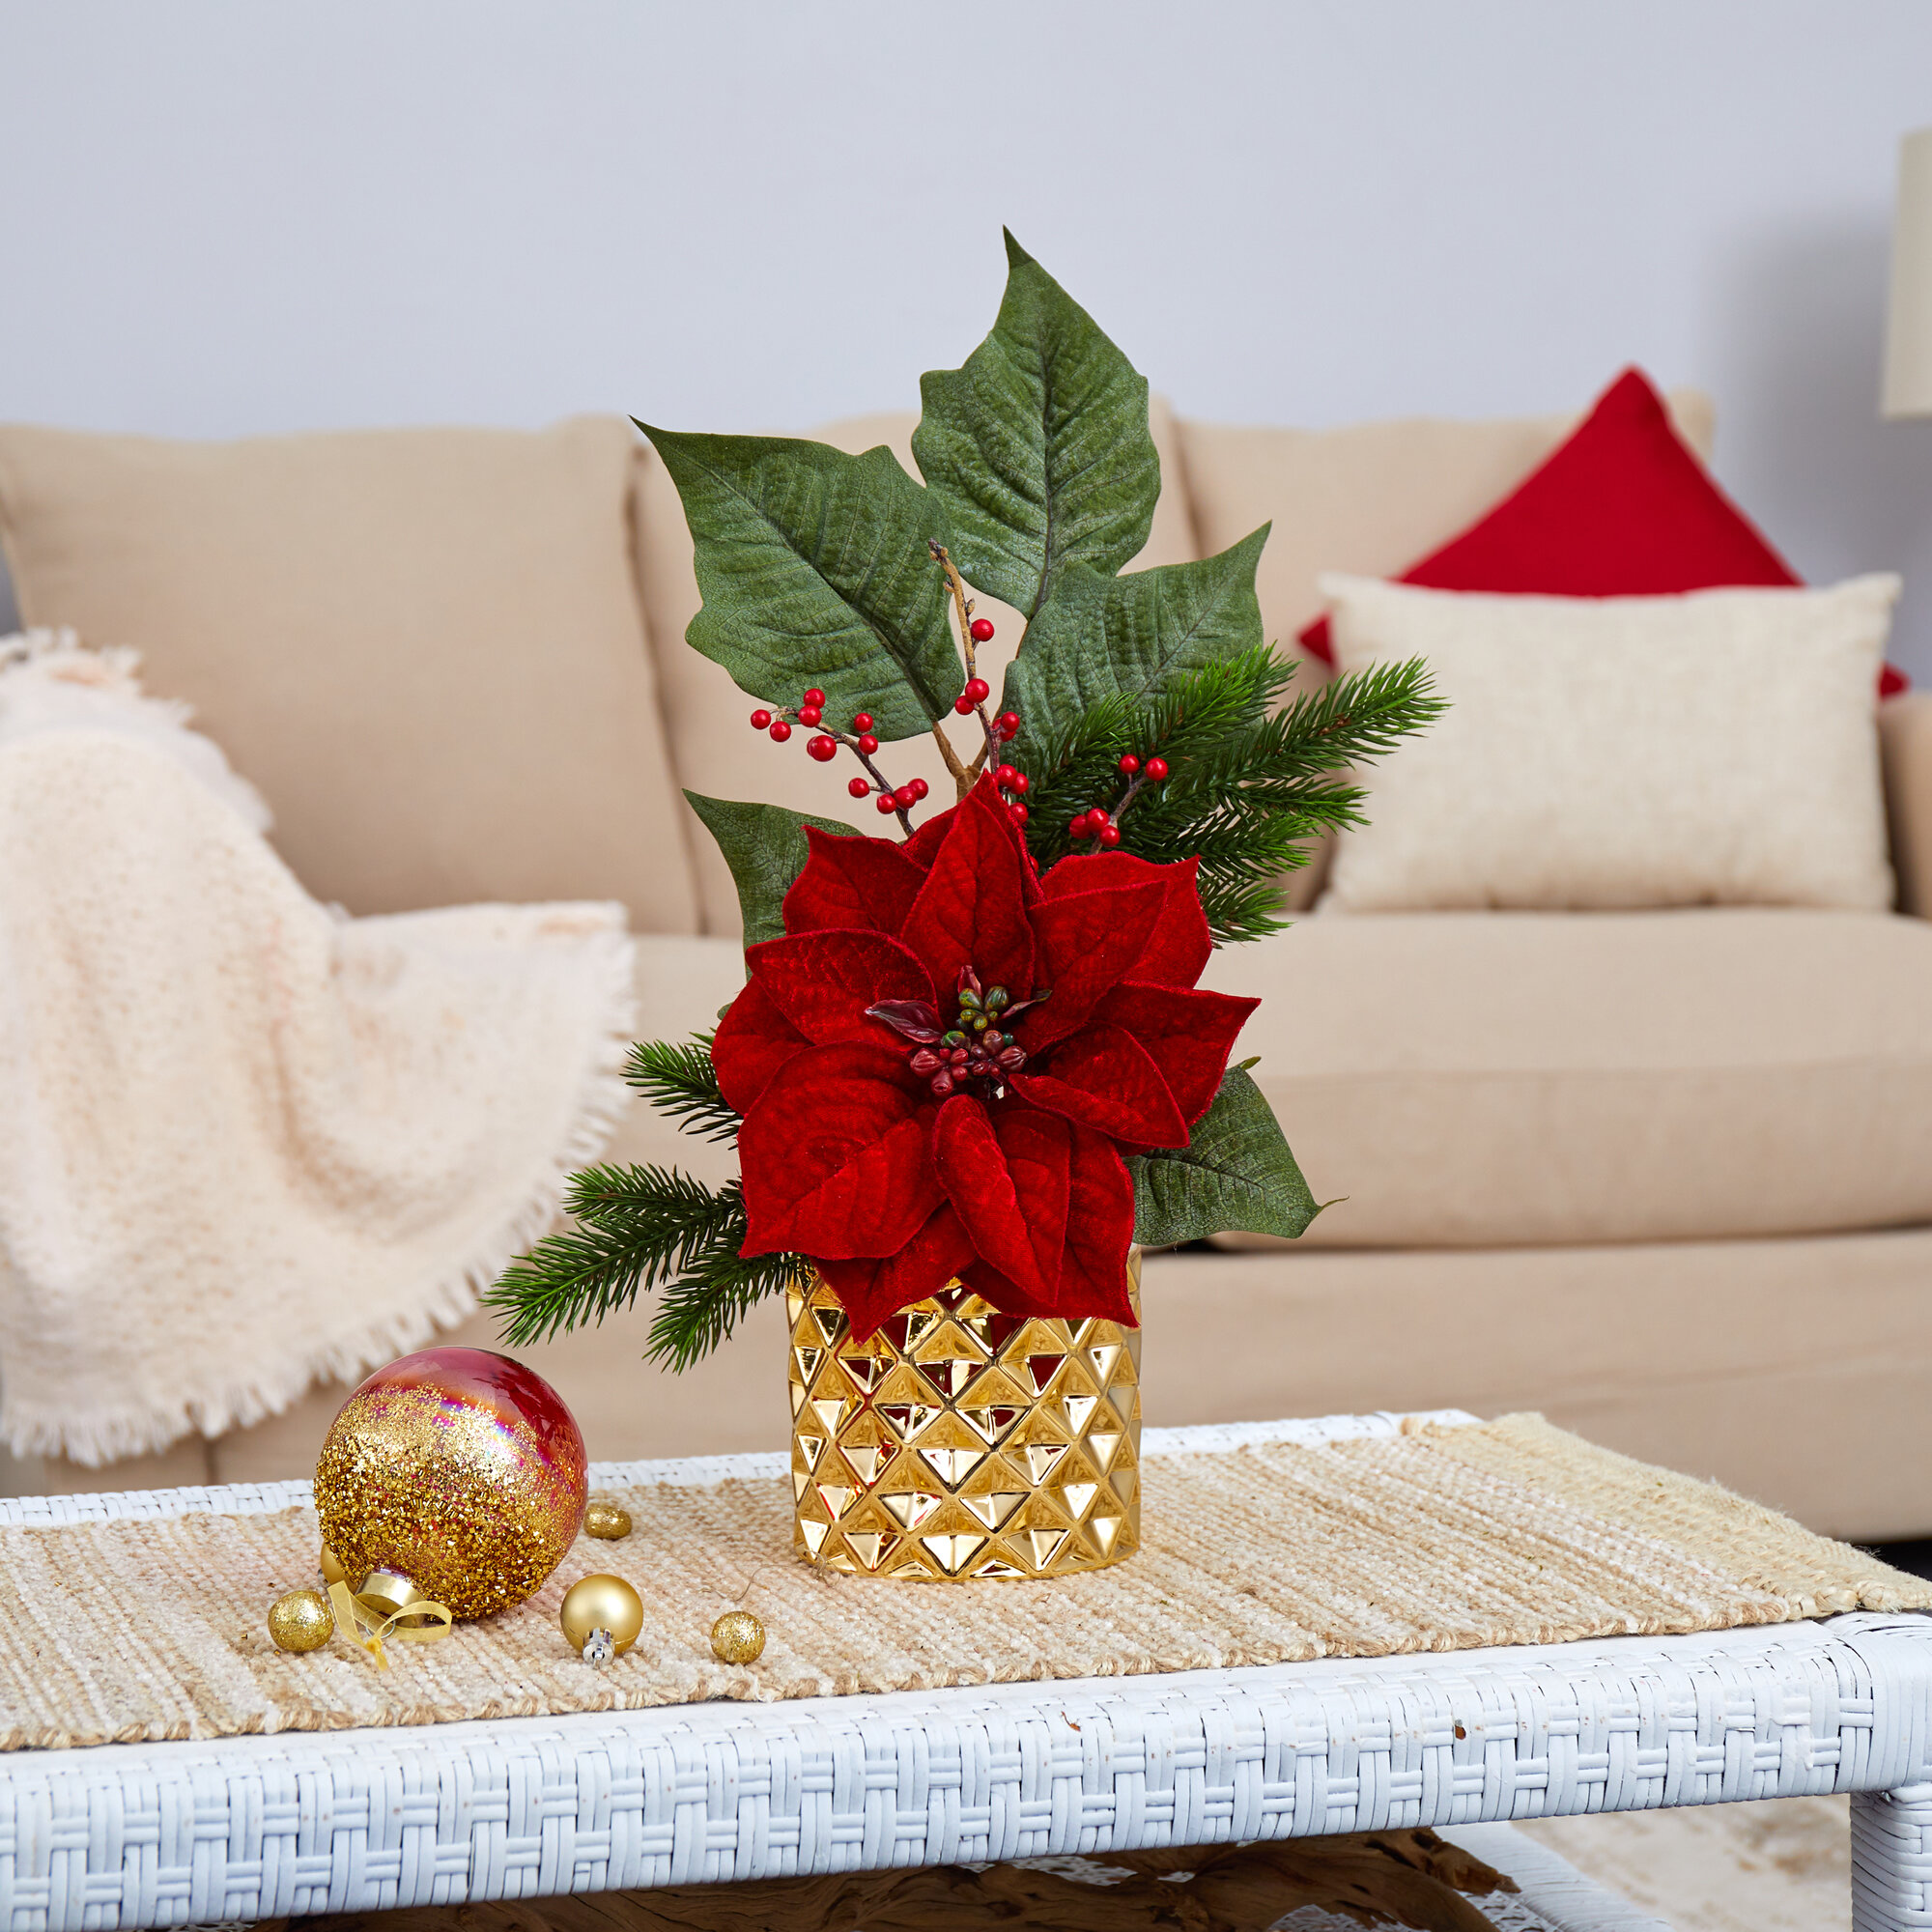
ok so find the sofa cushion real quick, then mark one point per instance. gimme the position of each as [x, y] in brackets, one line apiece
[1620, 508]
[718, 753]
[1367, 499]
[423, 645]
[1717, 747]
[1495, 1078]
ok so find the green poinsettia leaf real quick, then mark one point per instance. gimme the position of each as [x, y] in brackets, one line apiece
[1126, 636]
[1235, 1173]
[1039, 445]
[816, 569]
[765, 847]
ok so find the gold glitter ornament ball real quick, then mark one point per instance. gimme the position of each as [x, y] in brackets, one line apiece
[302, 1621]
[459, 1469]
[606, 1522]
[737, 1637]
[604, 1608]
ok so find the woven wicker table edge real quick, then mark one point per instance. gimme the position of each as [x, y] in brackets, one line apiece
[353, 1820]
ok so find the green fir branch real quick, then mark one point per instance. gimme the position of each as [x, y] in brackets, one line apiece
[701, 1309]
[679, 1080]
[1251, 783]
[640, 1229]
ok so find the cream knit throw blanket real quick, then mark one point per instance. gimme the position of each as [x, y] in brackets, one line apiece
[246, 1140]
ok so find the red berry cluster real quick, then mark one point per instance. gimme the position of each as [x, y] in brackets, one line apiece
[824, 746]
[1097, 821]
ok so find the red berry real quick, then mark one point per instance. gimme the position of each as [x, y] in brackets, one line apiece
[982, 629]
[1018, 813]
[1130, 764]
[780, 730]
[822, 749]
[1020, 781]
[963, 705]
[919, 787]
[863, 722]
[1078, 827]
[1097, 816]
[759, 719]
[886, 802]
[814, 696]
[905, 798]
[867, 743]
[978, 690]
[1006, 778]
[858, 787]
[1157, 768]
[1008, 725]
[1110, 834]
[809, 714]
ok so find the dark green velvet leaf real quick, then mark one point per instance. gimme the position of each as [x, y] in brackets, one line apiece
[1039, 445]
[1126, 636]
[1235, 1173]
[765, 847]
[816, 569]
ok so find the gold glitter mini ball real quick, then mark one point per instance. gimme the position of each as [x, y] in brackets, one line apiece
[602, 1616]
[302, 1621]
[606, 1522]
[737, 1637]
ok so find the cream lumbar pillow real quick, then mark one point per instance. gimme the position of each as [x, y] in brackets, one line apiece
[1715, 747]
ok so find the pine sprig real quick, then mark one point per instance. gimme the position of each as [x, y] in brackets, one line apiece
[702, 1307]
[638, 1228]
[1251, 781]
[680, 1080]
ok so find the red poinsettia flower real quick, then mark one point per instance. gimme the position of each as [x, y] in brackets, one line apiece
[940, 1065]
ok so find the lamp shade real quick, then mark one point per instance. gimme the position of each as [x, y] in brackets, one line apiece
[1908, 333]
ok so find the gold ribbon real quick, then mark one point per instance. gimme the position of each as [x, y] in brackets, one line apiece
[361, 1625]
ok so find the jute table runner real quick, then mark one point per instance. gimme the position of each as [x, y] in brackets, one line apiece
[1437, 1539]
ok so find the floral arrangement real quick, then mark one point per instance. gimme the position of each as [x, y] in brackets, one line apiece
[978, 1050]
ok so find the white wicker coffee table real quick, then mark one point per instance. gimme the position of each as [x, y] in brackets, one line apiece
[301, 1823]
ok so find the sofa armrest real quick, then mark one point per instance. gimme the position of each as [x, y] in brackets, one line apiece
[1905, 751]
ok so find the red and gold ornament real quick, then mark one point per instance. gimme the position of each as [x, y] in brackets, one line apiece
[456, 1471]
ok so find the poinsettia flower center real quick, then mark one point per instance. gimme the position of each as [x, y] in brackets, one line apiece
[973, 1053]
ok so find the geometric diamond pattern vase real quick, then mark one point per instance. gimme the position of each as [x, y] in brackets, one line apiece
[959, 1442]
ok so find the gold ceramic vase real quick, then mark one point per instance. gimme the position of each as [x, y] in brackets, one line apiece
[959, 1442]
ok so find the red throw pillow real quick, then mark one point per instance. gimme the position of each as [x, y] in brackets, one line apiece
[1622, 508]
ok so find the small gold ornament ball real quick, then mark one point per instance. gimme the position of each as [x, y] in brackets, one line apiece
[332, 1571]
[602, 1604]
[606, 1522]
[302, 1621]
[737, 1637]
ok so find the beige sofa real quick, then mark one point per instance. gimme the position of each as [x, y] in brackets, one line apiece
[1667, 1176]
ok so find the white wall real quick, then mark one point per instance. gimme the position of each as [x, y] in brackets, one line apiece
[217, 218]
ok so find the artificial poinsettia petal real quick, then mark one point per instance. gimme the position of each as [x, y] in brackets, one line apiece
[869, 1290]
[1003, 1293]
[1179, 943]
[1105, 1079]
[835, 1158]
[1188, 1034]
[868, 884]
[923, 847]
[1007, 1175]
[823, 982]
[1099, 1232]
[753, 1041]
[1084, 946]
[972, 910]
